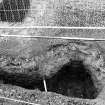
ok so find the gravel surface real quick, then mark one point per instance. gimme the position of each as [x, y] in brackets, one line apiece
[64, 13]
[42, 98]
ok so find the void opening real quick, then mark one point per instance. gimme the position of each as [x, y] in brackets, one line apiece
[73, 80]
[22, 80]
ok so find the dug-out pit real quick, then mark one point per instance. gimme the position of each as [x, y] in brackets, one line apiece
[72, 80]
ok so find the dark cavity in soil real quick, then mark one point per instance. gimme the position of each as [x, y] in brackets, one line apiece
[22, 80]
[73, 80]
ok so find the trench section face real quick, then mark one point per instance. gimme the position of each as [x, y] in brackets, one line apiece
[22, 80]
[73, 80]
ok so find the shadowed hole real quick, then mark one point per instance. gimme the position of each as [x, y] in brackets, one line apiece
[22, 80]
[73, 80]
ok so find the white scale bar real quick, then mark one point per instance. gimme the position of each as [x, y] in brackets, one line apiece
[50, 37]
[45, 86]
[19, 101]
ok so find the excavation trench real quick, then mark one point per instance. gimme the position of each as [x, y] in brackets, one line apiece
[73, 80]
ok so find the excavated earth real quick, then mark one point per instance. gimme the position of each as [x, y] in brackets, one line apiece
[73, 70]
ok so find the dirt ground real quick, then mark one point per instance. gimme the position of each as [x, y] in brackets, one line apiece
[25, 61]
[41, 98]
[73, 13]
[48, 61]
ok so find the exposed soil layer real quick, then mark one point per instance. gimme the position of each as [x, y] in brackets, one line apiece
[64, 68]
[73, 80]
[22, 80]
